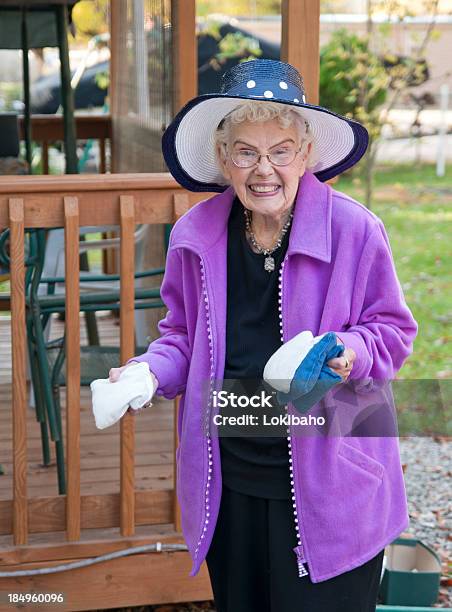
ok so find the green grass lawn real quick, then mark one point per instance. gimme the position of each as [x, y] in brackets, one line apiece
[416, 208]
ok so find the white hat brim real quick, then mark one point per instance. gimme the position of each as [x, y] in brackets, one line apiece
[195, 137]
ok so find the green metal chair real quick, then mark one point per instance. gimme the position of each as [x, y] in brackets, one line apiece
[47, 358]
[30, 261]
[54, 266]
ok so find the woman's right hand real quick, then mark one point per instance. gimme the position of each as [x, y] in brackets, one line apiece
[114, 375]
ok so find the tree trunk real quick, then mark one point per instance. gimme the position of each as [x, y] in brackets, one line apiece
[369, 174]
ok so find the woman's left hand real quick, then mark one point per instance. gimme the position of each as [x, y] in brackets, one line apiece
[343, 365]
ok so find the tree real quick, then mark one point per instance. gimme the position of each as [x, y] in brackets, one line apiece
[362, 79]
[239, 8]
[232, 47]
[90, 18]
[354, 82]
[345, 61]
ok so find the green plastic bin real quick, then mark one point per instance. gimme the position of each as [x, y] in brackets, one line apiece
[412, 574]
[410, 609]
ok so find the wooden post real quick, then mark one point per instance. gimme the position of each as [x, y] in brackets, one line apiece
[177, 518]
[19, 404]
[114, 50]
[185, 52]
[300, 42]
[26, 83]
[67, 95]
[127, 424]
[71, 254]
[117, 19]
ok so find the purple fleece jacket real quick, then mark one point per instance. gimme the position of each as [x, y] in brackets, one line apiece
[349, 498]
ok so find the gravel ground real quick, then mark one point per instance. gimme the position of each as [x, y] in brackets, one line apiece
[428, 469]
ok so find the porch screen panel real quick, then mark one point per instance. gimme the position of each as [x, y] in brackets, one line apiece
[142, 93]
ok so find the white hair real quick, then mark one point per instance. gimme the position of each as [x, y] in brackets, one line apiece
[259, 111]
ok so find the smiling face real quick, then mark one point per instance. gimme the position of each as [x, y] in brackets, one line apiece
[264, 188]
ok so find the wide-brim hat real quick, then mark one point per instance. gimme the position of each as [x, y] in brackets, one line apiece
[189, 141]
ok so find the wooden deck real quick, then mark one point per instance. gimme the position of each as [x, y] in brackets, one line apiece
[99, 448]
[100, 475]
[120, 490]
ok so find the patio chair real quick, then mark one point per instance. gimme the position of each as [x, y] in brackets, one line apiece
[54, 266]
[47, 358]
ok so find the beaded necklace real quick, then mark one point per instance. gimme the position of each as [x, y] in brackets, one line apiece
[269, 262]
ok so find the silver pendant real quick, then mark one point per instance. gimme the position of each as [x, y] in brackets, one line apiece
[269, 264]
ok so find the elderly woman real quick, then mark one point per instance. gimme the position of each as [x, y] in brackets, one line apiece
[292, 523]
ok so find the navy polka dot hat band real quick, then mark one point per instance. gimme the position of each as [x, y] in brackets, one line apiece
[189, 141]
[260, 81]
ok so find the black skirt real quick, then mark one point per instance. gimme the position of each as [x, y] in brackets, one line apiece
[253, 568]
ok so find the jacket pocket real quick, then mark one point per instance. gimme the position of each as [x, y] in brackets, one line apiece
[361, 460]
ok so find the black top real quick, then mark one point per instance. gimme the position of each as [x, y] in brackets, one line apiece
[252, 465]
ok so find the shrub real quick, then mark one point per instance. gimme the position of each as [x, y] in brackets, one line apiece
[351, 75]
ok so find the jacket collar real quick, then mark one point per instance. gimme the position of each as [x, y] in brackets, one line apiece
[202, 227]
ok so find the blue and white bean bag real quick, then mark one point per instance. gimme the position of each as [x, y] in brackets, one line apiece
[298, 370]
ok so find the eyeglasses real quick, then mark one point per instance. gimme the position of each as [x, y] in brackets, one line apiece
[247, 158]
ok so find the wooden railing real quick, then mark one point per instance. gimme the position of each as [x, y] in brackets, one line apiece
[48, 129]
[69, 202]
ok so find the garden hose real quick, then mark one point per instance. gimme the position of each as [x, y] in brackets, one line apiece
[158, 547]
